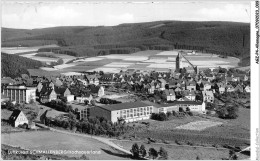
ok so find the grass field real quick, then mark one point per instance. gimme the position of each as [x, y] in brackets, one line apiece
[47, 140]
[233, 132]
[183, 152]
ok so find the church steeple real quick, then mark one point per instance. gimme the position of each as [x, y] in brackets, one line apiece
[178, 62]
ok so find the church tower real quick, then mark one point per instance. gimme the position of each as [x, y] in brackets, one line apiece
[178, 62]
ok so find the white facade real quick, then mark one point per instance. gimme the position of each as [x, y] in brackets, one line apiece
[20, 94]
[70, 98]
[20, 120]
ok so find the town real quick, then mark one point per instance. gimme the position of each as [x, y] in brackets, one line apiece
[127, 81]
[124, 97]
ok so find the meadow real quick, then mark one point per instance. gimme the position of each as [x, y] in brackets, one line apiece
[48, 140]
[177, 152]
[232, 132]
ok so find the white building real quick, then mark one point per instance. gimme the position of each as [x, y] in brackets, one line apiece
[20, 94]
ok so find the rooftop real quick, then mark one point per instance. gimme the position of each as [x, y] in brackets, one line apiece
[122, 106]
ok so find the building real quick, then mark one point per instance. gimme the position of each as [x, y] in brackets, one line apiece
[194, 106]
[189, 95]
[247, 89]
[48, 95]
[20, 94]
[179, 64]
[97, 90]
[18, 118]
[208, 96]
[92, 79]
[221, 87]
[170, 94]
[82, 99]
[191, 86]
[130, 111]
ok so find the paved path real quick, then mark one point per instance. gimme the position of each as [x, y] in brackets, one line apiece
[101, 139]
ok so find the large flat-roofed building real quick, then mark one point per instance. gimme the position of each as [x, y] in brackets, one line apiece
[130, 111]
[20, 94]
[194, 106]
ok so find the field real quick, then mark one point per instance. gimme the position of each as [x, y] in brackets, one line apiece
[176, 152]
[199, 125]
[47, 140]
[232, 132]
[31, 52]
[145, 60]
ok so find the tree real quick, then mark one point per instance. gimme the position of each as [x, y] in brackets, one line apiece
[232, 155]
[142, 151]
[163, 153]
[181, 109]
[135, 150]
[153, 153]
[168, 114]
[84, 157]
[93, 102]
[86, 102]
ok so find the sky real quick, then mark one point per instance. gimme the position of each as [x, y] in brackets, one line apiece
[50, 14]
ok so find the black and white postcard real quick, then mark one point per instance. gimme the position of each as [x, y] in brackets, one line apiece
[129, 80]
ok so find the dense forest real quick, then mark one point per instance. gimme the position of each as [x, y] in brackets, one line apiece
[14, 65]
[225, 38]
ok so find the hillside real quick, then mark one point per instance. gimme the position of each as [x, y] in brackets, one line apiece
[226, 38]
[14, 65]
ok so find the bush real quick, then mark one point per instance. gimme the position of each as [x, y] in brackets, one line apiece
[160, 117]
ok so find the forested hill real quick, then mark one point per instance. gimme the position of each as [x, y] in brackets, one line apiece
[226, 38]
[14, 65]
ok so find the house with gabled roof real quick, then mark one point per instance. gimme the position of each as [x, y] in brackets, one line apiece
[18, 118]
[62, 91]
[220, 87]
[97, 90]
[162, 84]
[189, 94]
[208, 96]
[47, 95]
[191, 85]
[83, 98]
[92, 79]
[205, 85]
[169, 94]
[239, 88]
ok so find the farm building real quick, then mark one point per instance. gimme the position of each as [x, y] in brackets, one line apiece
[130, 111]
[18, 118]
[20, 94]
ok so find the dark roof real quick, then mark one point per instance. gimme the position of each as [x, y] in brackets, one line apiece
[60, 90]
[122, 106]
[14, 115]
